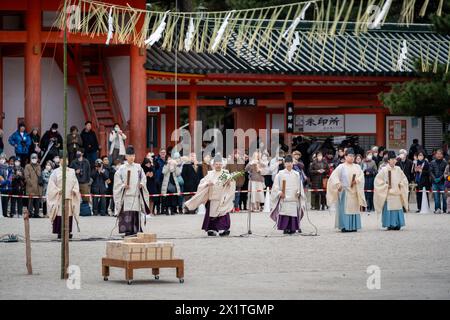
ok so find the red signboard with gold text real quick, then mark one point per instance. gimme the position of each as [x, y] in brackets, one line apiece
[397, 134]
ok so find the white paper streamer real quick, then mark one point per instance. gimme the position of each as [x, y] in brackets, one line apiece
[402, 56]
[155, 36]
[380, 17]
[110, 26]
[297, 20]
[189, 35]
[294, 46]
[221, 31]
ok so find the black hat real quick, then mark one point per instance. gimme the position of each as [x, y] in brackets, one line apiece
[288, 158]
[350, 151]
[54, 126]
[391, 155]
[130, 150]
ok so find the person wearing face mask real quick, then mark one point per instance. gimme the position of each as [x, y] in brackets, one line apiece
[422, 178]
[318, 170]
[51, 142]
[340, 157]
[391, 194]
[17, 188]
[83, 170]
[369, 168]
[437, 168]
[171, 171]
[90, 143]
[34, 185]
[117, 143]
[405, 164]
[48, 169]
[109, 183]
[6, 174]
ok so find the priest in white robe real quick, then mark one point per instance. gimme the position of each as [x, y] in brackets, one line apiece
[288, 198]
[131, 197]
[391, 194]
[216, 191]
[54, 199]
[345, 191]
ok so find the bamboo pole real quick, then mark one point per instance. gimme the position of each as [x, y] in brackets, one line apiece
[64, 212]
[26, 220]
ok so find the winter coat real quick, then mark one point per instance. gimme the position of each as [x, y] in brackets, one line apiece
[191, 177]
[32, 174]
[317, 177]
[151, 181]
[45, 143]
[84, 175]
[437, 168]
[20, 143]
[18, 181]
[99, 181]
[74, 143]
[406, 167]
[90, 142]
[6, 172]
[422, 178]
[235, 167]
[112, 140]
[166, 174]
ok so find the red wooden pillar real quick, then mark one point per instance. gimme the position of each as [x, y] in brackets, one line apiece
[138, 101]
[192, 114]
[33, 66]
[381, 128]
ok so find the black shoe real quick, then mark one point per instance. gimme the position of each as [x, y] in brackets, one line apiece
[70, 236]
[285, 231]
[225, 233]
[211, 233]
[345, 230]
[59, 236]
[299, 230]
[36, 216]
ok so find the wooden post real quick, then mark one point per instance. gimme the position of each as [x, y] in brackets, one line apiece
[390, 179]
[26, 220]
[128, 177]
[66, 237]
[283, 187]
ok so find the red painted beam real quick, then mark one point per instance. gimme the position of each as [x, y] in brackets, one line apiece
[13, 5]
[55, 4]
[13, 36]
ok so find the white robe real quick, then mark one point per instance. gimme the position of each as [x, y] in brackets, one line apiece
[221, 197]
[342, 177]
[136, 198]
[54, 198]
[397, 195]
[295, 198]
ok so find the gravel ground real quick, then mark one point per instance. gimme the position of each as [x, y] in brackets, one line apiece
[414, 263]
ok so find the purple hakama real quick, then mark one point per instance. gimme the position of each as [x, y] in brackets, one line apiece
[288, 223]
[57, 225]
[216, 224]
[129, 223]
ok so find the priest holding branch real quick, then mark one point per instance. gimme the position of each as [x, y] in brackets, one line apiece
[216, 191]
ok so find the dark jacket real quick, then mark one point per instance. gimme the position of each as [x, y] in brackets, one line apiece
[111, 172]
[151, 181]
[84, 175]
[35, 141]
[316, 176]
[20, 143]
[191, 177]
[90, 142]
[18, 181]
[159, 164]
[422, 178]
[57, 144]
[74, 143]
[6, 172]
[99, 181]
[406, 167]
[437, 168]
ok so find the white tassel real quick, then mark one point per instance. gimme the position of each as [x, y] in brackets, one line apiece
[110, 26]
[189, 35]
[293, 47]
[297, 20]
[402, 57]
[380, 17]
[267, 201]
[221, 31]
[425, 207]
[155, 36]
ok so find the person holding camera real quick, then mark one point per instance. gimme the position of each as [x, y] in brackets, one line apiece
[17, 188]
[21, 142]
[99, 187]
[51, 143]
[117, 139]
[34, 186]
[83, 173]
[74, 143]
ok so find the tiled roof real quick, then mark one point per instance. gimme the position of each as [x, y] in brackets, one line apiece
[371, 53]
